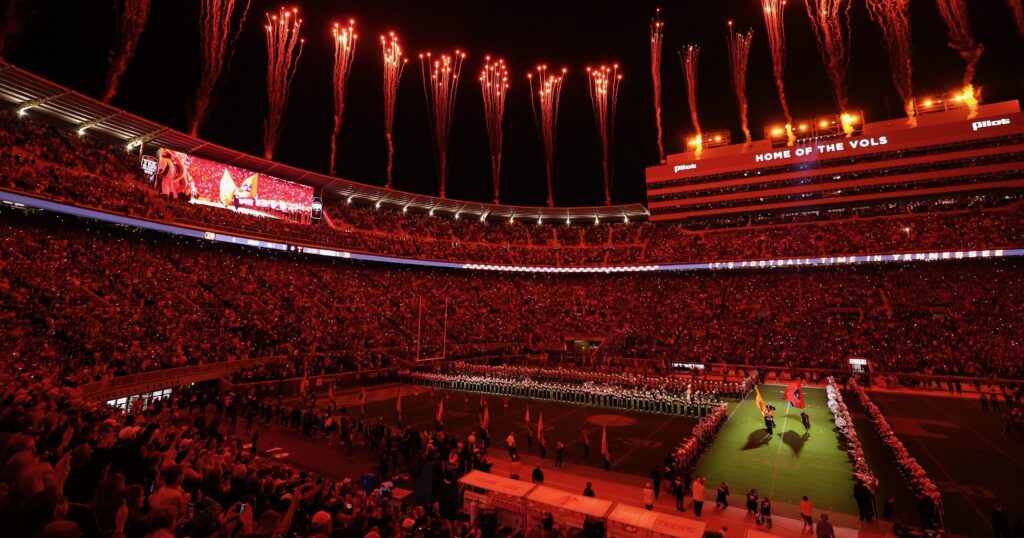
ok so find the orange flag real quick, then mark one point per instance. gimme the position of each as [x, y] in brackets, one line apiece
[760, 401]
[604, 443]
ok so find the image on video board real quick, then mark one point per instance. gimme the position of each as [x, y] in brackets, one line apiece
[216, 184]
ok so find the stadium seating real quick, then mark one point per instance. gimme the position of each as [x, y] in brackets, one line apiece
[58, 165]
[89, 292]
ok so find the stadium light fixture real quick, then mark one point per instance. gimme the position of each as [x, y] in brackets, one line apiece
[24, 106]
[94, 122]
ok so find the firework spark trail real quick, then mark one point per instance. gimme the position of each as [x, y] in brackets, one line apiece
[344, 53]
[440, 86]
[739, 53]
[604, 96]
[547, 97]
[14, 16]
[893, 16]
[282, 60]
[830, 20]
[394, 63]
[494, 86]
[130, 25]
[773, 21]
[690, 60]
[657, 34]
[1017, 7]
[961, 39]
[217, 42]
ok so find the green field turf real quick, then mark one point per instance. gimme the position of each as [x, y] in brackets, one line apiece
[792, 463]
[964, 452]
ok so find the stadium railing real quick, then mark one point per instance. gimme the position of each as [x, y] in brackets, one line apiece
[129, 385]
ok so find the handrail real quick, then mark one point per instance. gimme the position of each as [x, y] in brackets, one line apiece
[134, 383]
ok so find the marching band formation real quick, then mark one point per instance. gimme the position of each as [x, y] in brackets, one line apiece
[670, 396]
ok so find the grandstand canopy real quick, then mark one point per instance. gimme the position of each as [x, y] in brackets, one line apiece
[28, 92]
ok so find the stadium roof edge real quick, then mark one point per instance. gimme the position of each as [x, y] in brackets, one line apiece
[25, 90]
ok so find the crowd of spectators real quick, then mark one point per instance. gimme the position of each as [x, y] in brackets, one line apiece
[177, 468]
[94, 300]
[56, 164]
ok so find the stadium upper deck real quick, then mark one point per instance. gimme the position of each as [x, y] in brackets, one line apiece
[945, 154]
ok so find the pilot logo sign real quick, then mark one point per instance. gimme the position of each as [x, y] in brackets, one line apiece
[984, 124]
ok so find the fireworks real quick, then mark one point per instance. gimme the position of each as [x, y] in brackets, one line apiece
[604, 96]
[657, 33]
[394, 63]
[14, 16]
[217, 43]
[344, 53]
[494, 86]
[547, 97]
[440, 85]
[893, 16]
[739, 52]
[130, 25]
[830, 20]
[282, 59]
[773, 21]
[1017, 8]
[690, 60]
[961, 39]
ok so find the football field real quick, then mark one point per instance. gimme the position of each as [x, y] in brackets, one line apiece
[793, 462]
[961, 447]
[638, 441]
[965, 453]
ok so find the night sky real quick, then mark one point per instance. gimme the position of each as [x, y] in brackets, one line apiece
[68, 42]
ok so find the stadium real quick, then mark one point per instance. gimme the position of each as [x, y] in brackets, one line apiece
[349, 304]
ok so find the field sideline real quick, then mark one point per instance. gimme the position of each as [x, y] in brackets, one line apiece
[960, 447]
